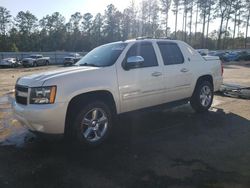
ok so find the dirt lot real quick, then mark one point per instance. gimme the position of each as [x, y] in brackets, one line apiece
[174, 148]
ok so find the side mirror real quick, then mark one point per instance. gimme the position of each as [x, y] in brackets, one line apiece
[133, 62]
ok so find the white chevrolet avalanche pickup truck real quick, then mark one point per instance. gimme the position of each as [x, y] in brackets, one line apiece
[82, 101]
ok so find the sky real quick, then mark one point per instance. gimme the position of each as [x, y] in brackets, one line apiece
[41, 8]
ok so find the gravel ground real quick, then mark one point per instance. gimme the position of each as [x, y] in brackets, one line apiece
[174, 148]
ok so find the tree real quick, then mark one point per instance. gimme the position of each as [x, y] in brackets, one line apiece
[176, 11]
[222, 7]
[5, 19]
[97, 27]
[149, 18]
[87, 23]
[196, 19]
[236, 8]
[129, 25]
[165, 6]
[191, 19]
[247, 16]
[13, 48]
[203, 8]
[26, 22]
[228, 17]
[54, 32]
[209, 17]
[126, 24]
[74, 22]
[111, 23]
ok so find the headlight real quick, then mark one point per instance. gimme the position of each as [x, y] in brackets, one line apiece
[43, 95]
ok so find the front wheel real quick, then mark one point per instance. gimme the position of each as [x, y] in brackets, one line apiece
[93, 124]
[202, 98]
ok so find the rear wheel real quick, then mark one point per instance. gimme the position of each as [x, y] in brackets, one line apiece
[92, 124]
[35, 64]
[202, 98]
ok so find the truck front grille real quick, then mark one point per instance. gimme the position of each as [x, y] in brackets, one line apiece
[21, 94]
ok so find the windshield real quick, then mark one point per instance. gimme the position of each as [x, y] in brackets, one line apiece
[103, 56]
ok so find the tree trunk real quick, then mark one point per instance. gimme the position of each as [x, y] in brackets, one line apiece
[248, 17]
[220, 33]
[228, 17]
[167, 24]
[196, 21]
[183, 19]
[235, 20]
[190, 26]
[203, 30]
[185, 26]
[176, 19]
[208, 21]
[238, 35]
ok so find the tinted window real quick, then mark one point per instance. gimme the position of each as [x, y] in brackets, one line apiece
[145, 50]
[171, 53]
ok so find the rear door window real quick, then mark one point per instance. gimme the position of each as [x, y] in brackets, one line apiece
[171, 53]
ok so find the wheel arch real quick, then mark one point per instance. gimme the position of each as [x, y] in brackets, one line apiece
[206, 77]
[77, 101]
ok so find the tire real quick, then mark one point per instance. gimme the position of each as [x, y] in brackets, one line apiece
[47, 63]
[202, 98]
[92, 124]
[34, 64]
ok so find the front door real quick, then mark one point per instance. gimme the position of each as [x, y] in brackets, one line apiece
[142, 86]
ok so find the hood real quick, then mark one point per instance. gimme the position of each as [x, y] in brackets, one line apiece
[37, 80]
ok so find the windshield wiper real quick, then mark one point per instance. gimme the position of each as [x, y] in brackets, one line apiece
[89, 64]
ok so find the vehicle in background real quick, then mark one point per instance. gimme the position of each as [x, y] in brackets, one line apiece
[244, 56]
[203, 52]
[219, 54]
[35, 60]
[10, 62]
[71, 59]
[231, 56]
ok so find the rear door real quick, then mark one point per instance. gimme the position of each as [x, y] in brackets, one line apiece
[178, 73]
[141, 86]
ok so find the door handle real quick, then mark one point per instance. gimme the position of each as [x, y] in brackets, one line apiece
[184, 70]
[156, 74]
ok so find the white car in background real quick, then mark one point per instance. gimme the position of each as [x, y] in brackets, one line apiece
[9, 62]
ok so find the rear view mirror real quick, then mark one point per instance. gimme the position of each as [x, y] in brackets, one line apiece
[134, 62]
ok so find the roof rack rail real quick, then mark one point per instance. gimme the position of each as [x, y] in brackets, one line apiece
[144, 37]
[148, 37]
[167, 38]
